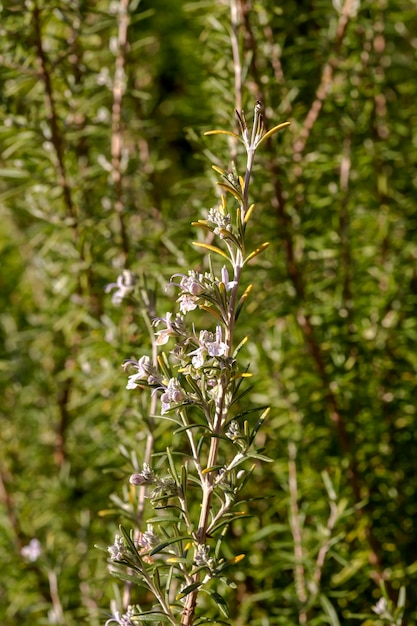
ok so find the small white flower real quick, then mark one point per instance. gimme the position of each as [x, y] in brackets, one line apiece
[174, 328]
[117, 549]
[222, 221]
[202, 556]
[233, 431]
[187, 303]
[146, 371]
[229, 284]
[217, 347]
[149, 539]
[145, 477]
[173, 394]
[125, 284]
[192, 283]
[380, 607]
[199, 357]
[32, 551]
[123, 620]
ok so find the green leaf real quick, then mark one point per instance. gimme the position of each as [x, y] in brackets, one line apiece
[259, 457]
[188, 590]
[153, 616]
[229, 520]
[328, 608]
[172, 467]
[169, 542]
[219, 600]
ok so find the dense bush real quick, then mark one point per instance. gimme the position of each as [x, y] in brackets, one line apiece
[103, 165]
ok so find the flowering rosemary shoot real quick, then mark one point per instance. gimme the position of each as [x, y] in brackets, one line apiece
[199, 382]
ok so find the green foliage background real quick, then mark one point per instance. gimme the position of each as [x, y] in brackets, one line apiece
[332, 318]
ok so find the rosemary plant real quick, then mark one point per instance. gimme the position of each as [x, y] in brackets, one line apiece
[199, 383]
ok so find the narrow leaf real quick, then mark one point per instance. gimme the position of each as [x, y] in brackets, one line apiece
[220, 601]
[236, 352]
[213, 312]
[274, 130]
[188, 590]
[228, 521]
[208, 246]
[219, 170]
[401, 598]
[224, 132]
[257, 251]
[259, 424]
[249, 213]
[202, 224]
[260, 457]
[153, 616]
[242, 300]
[211, 469]
[241, 375]
[161, 546]
[231, 190]
[172, 467]
[328, 608]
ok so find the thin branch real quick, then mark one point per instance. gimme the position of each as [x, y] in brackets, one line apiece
[346, 261]
[63, 398]
[6, 500]
[324, 548]
[237, 65]
[119, 87]
[314, 348]
[324, 87]
[299, 573]
[52, 116]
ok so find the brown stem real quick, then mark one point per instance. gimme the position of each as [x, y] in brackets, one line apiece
[117, 129]
[317, 356]
[299, 573]
[237, 66]
[64, 418]
[344, 230]
[6, 500]
[56, 136]
[249, 42]
[324, 87]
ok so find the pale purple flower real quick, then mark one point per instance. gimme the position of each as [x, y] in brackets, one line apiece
[173, 394]
[217, 347]
[199, 357]
[165, 488]
[209, 344]
[123, 620]
[187, 303]
[221, 221]
[149, 539]
[233, 431]
[229, 284]
[124, 285]
[32, 550]
[380, 607]
[146, 371]
[174, 328]
[117, 550]
[202, 556]
[145, 477]
[193, 283]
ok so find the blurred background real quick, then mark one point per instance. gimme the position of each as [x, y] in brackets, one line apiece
[103, 166]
